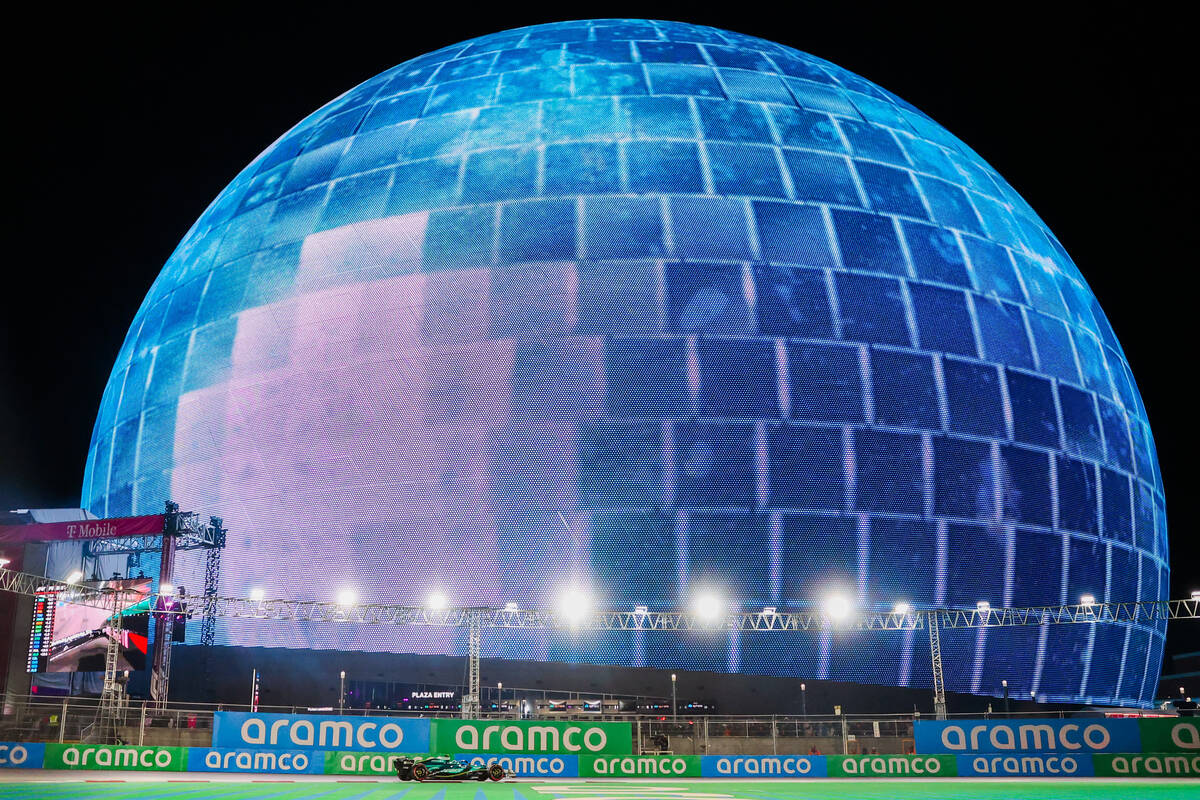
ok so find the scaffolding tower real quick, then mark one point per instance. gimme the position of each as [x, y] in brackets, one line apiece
[182, 531]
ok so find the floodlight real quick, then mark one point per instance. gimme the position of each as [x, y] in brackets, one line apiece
[166, 589]
[347, 597]
[436, 601]
[257, 595]
[641, 610]
[902, 608]
[74, 577]
[510, 607]
[1196, 595]
[837, 606]
[769, 611]
[1088, 600]
[983, 606]
[4, 562]
[574, 605]
[708, 606]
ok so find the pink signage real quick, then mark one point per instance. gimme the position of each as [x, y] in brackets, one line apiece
[81, 529]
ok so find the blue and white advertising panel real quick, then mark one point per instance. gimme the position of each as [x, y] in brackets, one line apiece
[763, 766]
[1067, 736]
[21, 755]
[1026, 764]
[528, 766]
[221, 759]
[238, 729]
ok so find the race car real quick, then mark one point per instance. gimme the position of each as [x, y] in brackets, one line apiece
[444, 768]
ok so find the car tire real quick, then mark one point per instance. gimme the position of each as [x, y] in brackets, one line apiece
[495, 772]
[420, 772]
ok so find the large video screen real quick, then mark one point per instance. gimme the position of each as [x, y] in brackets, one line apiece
[71, 635]
[646, 309]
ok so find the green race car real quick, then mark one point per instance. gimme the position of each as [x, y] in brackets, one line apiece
[444, 768]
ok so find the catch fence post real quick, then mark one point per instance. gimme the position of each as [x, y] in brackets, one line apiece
[62, 721]
[142, 726]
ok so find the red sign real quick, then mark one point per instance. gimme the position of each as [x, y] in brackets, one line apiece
[81, 529]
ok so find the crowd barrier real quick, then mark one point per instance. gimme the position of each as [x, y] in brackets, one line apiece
[339, 745]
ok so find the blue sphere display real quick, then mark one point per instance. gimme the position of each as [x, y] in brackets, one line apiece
[650, 310]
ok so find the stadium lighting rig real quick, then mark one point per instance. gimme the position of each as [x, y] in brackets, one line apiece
[576, 611]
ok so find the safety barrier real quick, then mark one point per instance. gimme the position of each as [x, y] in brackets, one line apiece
[354, 745]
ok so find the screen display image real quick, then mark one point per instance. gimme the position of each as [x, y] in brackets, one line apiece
[648, 309]
[80, 634]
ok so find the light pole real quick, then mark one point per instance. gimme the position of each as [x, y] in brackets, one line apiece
[1004, 683]
[803, 700]
[342, 694]
[499, 697]
[674, 714]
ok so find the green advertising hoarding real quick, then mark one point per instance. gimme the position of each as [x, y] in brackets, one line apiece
[940, 766]
[1143, 765]
[342, 762]
[122, 757]
[639, 766]
[1170, 735]
[512, 736]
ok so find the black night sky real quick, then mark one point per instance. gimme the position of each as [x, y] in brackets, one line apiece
[123, 127]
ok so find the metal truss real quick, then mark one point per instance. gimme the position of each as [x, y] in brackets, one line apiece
[470, 701]
[212, 577]
[933, 620]
[1128, 613]
[26, 584]
[779, 621]
[192, 534]
[935, 659]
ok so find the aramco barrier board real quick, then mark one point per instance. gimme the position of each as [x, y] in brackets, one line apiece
[528, 766]
[1071, 736]
[116, 757]
[1028, 736]
[628, 766]
[1156, 765]
[510, 736]
[313, 744]
[21, 755]
[24, 755]
[1025, 765]
[1170, 736]
[228, 759]
[237, 729]
[763, 767]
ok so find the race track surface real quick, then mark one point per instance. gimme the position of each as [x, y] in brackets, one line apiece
[30, 784]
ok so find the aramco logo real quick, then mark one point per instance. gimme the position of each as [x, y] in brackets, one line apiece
[532, 739]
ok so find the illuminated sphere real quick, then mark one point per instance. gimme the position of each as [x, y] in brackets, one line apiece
[648, 310]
